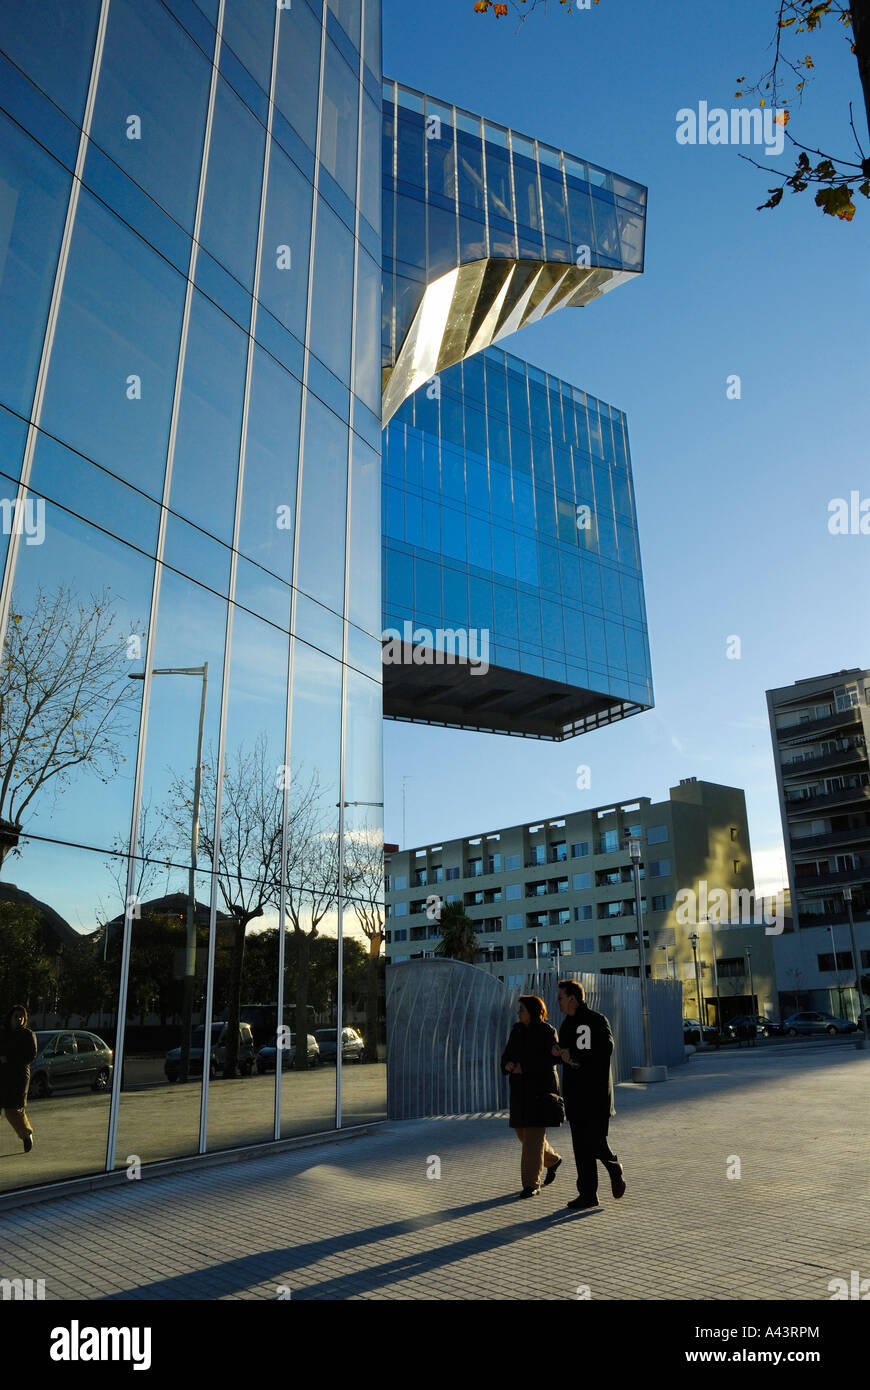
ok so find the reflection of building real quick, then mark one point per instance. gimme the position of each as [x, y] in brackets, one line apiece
[560, 894]
[190, 413]
[819, 727]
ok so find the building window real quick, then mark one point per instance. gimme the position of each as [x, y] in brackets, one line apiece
[514, 890]
[731, 968]
[662, 902]
[583, 913]
[453, 873]
[512, 861]
[514, 952]
[580, 850]
[736, 863]
[400, 909]
[420, 879]
[514, 921]
[437, 874]
[386, 883]
[734, 832]
[401, 935]
[657, 835]
[388, 938]
[659, 868]
[418, 933]
[584, 945]
[493, 865]
[539, 854]
[559, 853]
[608, 843]
[399, 882]
[475, 868]
[581, 882]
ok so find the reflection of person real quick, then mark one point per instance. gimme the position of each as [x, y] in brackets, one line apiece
[585, 1048]
[535, 1101]
[17, 1051]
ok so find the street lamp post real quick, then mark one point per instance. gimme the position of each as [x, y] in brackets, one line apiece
[752, 1006]
[667, 962]
[715, 976]
[190, 933]
[836, 968]
[647, 1072]
[856, 960]
[694, 939]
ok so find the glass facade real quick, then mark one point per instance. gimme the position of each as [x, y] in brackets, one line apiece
[486, 230]
[190, 791]
[509, 511]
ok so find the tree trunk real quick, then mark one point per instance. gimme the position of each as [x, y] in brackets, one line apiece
[371, 1037]
[303, 958]
[860, 10]
[234, 1002]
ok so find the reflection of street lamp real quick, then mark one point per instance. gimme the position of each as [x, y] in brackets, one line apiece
[856, 961]
[490, 951]
[715, 975]
[190, 951]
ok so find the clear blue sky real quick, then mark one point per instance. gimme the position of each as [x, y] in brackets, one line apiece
[732, 496]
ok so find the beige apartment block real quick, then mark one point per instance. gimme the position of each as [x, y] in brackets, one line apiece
[559, 895]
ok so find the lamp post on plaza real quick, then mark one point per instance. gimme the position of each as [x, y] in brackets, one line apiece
[647, 1072]
[190, 933]
[836, 968]
[856, 959]
[715, 975]
[752, 1007]
[667, 963]
[694, 939]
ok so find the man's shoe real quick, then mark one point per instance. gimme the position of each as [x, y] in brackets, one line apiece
[580, 1204]
[530, 1192]
[617, 1181]
[551, 1174]
[28, 1143]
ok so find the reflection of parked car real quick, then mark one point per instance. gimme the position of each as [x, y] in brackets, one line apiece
[691, 1031]
[812, 1021]
[266, 1055]
[764, 1027]
[352, 1045]
[66, 1059]
[172, 1065]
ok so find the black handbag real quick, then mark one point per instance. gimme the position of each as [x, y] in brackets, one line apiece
[553, 1107]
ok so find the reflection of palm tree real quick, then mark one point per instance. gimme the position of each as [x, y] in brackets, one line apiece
[63, 700]
[458, 941]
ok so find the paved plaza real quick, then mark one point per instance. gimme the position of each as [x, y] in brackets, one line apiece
[360, 1218]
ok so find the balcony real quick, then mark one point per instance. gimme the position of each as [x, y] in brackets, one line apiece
[841, 758]
[859, 875]
[838, 719]
[830, 838]
[843, 796]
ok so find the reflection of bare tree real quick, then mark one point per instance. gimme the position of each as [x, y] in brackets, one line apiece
[151, 861]
[312, 884]
[63, 700]
[364, 887]
[247, 854]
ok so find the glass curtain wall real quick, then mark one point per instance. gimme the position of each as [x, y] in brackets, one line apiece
[190, 685]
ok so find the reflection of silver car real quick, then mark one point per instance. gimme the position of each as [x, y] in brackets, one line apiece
[67, 1059]
[266, 1056]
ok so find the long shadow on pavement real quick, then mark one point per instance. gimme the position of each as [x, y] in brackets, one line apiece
[232, 1276]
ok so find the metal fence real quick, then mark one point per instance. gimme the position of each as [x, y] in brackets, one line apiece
[447, 1024]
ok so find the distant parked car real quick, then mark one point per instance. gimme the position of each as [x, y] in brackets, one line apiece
[352, 1045]
[692, 1031]
[764, 1027]
[218, 1055]
[66, 1059]
[266, 1056]
[812, 1021]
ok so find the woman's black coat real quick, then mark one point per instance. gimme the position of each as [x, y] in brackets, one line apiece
[18, 1046]
[531, 1045]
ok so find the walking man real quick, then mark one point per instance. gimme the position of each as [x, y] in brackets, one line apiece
[585, 1048]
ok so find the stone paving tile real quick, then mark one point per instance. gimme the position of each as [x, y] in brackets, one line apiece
[359, 1219]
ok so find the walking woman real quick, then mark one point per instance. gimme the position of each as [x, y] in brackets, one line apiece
[17, 1051]
[535, 1099]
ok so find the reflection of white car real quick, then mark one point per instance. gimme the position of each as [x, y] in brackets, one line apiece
[285, 1043]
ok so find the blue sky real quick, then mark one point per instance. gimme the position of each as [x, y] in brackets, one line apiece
[732, 495]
